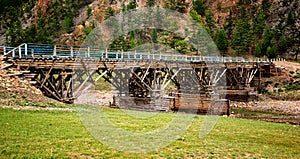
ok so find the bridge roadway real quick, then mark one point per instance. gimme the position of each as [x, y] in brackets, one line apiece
[64, 72]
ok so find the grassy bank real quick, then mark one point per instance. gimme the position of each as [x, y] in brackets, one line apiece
[45, 134]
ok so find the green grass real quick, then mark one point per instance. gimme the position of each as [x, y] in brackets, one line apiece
[102, 85]
[46, 134]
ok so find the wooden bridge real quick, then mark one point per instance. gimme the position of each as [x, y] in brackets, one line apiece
[63, 72]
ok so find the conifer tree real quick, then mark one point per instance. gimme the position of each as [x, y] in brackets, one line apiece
[257, 52]
[282, 45]
[199, 7]
[221, 41]
[266, 41]
[150, 3]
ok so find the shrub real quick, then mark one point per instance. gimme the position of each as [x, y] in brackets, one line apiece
[297, 76]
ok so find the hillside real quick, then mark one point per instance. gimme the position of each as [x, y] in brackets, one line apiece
[239, 27]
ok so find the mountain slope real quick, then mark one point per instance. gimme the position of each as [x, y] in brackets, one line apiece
[252, 27]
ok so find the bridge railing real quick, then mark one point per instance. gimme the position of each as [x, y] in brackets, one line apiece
[19, 51]
[37, 50]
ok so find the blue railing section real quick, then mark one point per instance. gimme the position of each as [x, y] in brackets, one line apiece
[26, 50]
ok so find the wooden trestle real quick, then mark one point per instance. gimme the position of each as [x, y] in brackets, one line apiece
[65, 78]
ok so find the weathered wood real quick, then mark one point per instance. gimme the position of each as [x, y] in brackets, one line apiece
[64, 78]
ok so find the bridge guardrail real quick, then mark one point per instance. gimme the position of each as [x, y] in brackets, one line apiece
[37, 50]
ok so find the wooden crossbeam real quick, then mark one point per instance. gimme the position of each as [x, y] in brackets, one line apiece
[174, 75]
[100, 76]
[137, 76]
[47, 75]
[252, 75]
[225, 70]
[82, 84]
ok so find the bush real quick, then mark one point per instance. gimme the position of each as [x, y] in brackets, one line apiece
[297, 76]
[292, 88]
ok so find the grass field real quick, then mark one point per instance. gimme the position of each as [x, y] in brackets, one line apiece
[53, 134]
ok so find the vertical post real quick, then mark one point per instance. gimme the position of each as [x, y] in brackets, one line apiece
[26, 53]
[72, 51]
[54, 51]
[135, 54]
[149, 55]
[4, 50]
[32, 52]
[259, 80]
[20, 52]
[159, 55]
[89, 52]
[122, 54]
[106, 55]
[13, 53]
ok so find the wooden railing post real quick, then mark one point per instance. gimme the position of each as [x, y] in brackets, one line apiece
[54, 51]
[20, 51]
[89, 52]
[26, 53]
[106, 55]
[72, 51]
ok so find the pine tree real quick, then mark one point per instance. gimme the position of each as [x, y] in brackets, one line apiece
[199, 7]
[265, 6]
[221, 41]
[154, 36]
[68, 23]
[271, 52]
[282, 45]
[110, 12]
[266, 41]
[131, 5]
[243, 37]
[14, 34]
[210, 21]
[150, 3]
[89, 11]
[257, 52]
[229, 24]
[259, 24]
[291, 18]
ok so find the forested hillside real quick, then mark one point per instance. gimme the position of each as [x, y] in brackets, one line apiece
[239, 27]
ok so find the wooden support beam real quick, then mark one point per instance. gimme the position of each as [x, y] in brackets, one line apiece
[137, 76]
[225, 70]
[47, 75]
[174, 75]
[100, 76]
